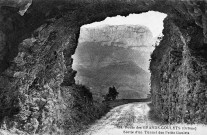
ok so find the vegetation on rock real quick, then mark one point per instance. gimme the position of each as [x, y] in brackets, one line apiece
[35, 62]
[111, 95]
[81, 108]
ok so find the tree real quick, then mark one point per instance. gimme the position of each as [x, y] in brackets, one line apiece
[112, 94]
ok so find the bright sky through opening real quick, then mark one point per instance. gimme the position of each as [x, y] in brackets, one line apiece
[153, 20]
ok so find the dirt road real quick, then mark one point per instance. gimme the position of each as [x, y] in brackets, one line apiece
[133, 119]
[121, 120]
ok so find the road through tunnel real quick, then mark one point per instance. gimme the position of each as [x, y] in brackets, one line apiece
[36, 66]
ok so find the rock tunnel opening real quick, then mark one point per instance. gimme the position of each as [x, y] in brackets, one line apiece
[31, 85]
[116, 52]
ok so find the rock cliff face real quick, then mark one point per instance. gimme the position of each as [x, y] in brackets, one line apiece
[124, 42]
[179, 74]
[114, 55]
[30, 87]
[36, 48]
[121, 35]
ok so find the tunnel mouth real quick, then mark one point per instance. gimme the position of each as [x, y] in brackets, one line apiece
[116, 53]
[38, 90]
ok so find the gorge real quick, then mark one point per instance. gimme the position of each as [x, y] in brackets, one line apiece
[114, 55]
[38, 94]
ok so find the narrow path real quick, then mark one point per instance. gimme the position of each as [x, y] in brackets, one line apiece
[124, 117]
[133, 119]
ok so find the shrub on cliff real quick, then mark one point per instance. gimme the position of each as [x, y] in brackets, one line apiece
[112, 94]
[81, 109]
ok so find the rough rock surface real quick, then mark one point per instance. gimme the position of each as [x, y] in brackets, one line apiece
[36, 61]
[178, 78]
[136, 40]
[30, 87]
[120, 35]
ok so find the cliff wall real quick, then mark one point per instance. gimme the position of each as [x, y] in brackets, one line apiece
[178, 74]
[36, 48]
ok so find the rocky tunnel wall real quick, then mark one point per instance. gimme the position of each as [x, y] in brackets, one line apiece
[178, 74]
[36, 62]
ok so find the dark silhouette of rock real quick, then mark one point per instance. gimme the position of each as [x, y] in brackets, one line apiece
[28, 43]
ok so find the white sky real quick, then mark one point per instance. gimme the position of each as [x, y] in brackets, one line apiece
[153, 20]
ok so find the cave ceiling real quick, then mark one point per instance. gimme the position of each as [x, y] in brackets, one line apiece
[88, 11]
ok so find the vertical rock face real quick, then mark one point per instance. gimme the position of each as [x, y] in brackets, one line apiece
[30, 87]
[114, 55]
[124, 35]
[179, 74]
[34, 63]
[167, 73]
[135, 38]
